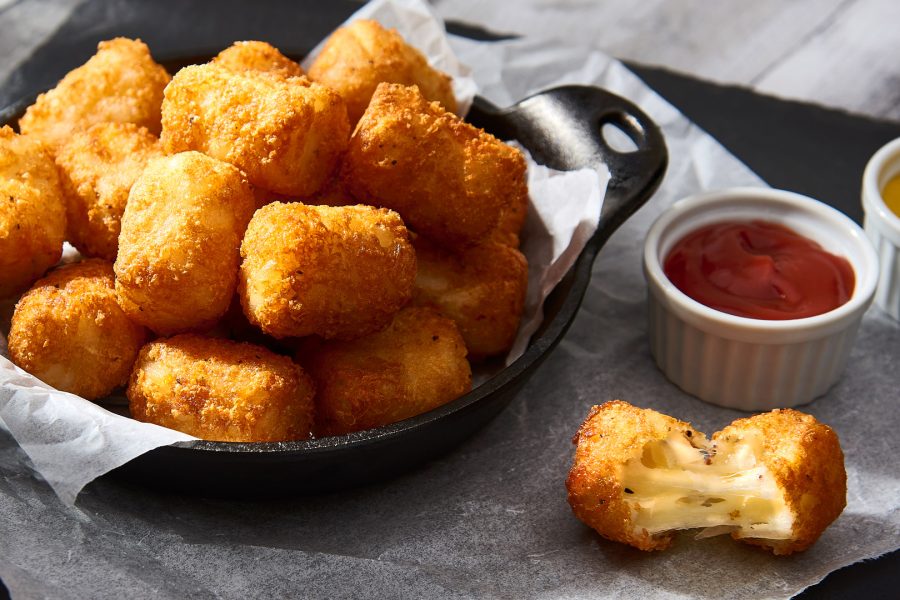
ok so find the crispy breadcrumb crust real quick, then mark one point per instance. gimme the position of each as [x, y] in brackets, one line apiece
[286, 134]
[257, 57]
[120, 83]
[356, 58]
[803, 455]
[807, 462]
[449, 181]
[97, 168]
[178, 258]
[337, 272]
[32, 211]
[415, 364]
[221, 390]
[481, 288]
[69, 331]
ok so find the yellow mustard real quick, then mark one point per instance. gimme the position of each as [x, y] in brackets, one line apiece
[891, 194]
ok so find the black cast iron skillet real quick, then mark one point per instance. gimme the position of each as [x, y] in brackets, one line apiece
[561, 128]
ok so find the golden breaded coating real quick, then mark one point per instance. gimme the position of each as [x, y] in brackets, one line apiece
[414, 365]
[775, 480]
[448, 180]
[358, 57]
[338, 272]
[285, 133]
[32, 212]
[258, 57]
[512, 219]
[69, 331]
[481, 288]
[121, 83]
[221, 390]
[178, 250]
[97, 168]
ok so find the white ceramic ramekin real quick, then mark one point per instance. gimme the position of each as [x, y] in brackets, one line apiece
[754, 364]
[883, 226]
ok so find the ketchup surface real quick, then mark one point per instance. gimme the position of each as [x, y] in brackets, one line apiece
[759, 270]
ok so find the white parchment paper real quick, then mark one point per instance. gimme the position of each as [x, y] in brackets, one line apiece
[72, 441]
[490, 519]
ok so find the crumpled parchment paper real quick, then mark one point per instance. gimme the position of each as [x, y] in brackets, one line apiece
[490, 519]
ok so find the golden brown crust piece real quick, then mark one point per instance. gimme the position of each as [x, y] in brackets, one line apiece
[481, 288]
[179, 247]
[806, 459]
[32, 212]
[221, 390]
[121, 83]
[257, 57]
[358, 57]
[449, 181]
[337, 272]
[610, 435]
[69, 331]
[414, 365]
[97, 168]
[286, 134]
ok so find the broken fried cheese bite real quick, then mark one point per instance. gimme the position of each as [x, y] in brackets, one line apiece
[285, 133]
[415, 364]
[178, 258]
[32, 211]
[359, 56]
[257, 57]
[221, 390]
[121, 83]
[69, 331]
[449, 181]
[774, 480]
[337, 272]
[97, 168]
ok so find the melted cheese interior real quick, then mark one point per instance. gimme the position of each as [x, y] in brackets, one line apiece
[685, 483]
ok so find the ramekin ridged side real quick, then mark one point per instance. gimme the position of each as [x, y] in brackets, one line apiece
[754, 364]
[883, 226]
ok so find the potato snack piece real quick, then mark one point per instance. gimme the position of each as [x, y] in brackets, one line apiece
[97, 168]
[69, 331]
[286, 134]
[359, 56]
[414, 365]
[481, 288]
[221, 390]
[121, 83]
[179, 247]
[337, 272]
[257, 57]
[774, 480]
[449, 181]
[32, 212]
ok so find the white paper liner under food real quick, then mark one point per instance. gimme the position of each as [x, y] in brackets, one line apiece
[72, 441]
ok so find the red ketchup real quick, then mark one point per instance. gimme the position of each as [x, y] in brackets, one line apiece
[759, 270]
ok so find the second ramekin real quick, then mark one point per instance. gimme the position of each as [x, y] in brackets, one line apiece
[754, 364]
[883, 226]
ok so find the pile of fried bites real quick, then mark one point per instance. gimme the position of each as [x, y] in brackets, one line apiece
[268, 255]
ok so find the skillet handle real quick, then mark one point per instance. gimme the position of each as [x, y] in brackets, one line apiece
[562, 128]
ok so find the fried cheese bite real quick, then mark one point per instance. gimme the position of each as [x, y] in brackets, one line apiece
[512, 219]
[449, 181]
[286, 134]
[121, 83]
[415, 364]
[774, 480]
[481, 288]
[177, 265]
[97, 168]
[69, 331]
[358, 57]
[337, 272]
[221, 390]
[32, 211]
[257, 57]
